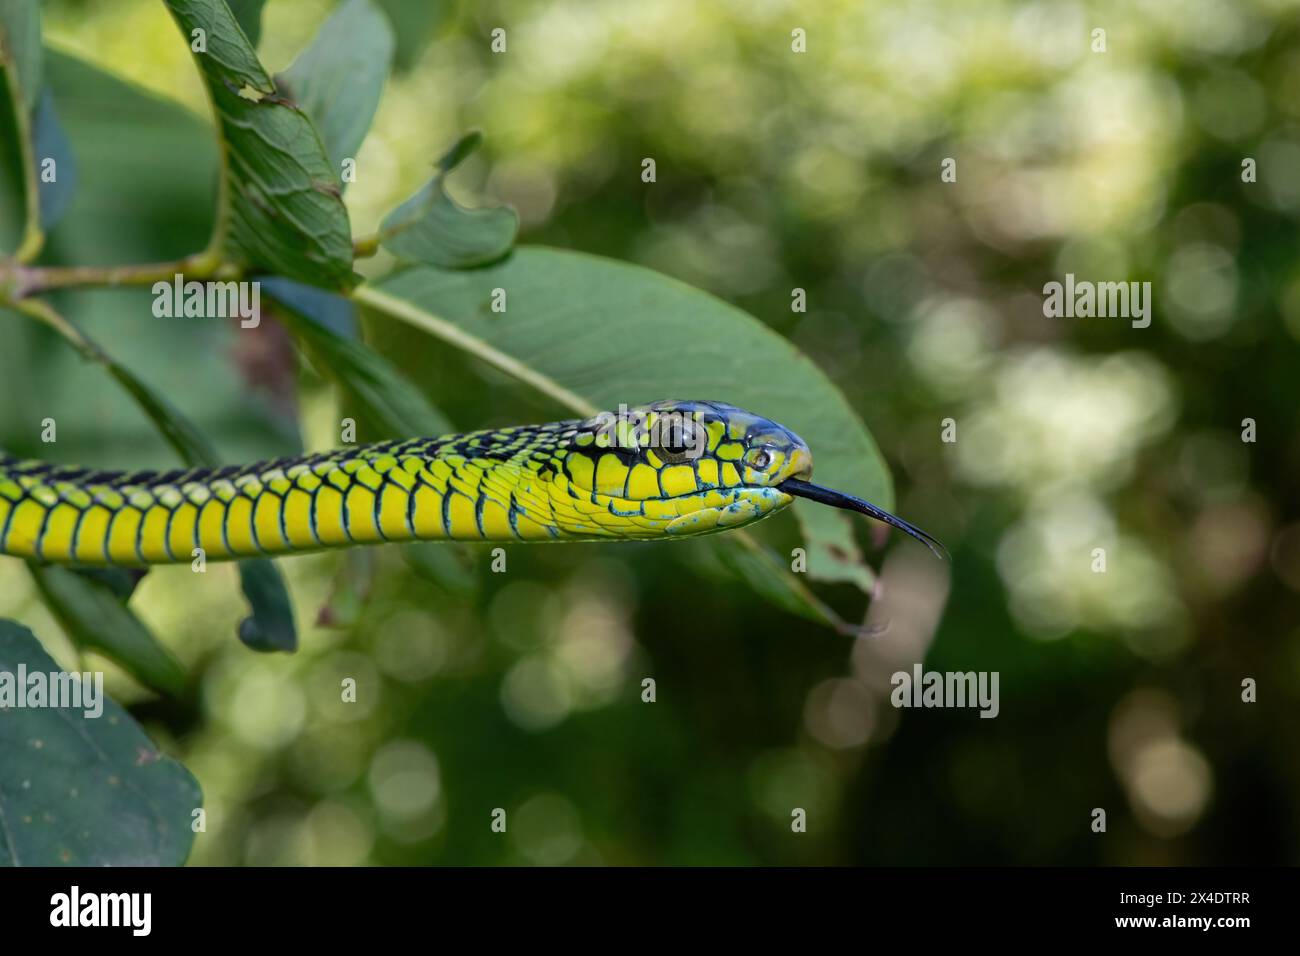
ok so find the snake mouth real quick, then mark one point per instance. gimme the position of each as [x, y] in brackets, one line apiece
[837, 499]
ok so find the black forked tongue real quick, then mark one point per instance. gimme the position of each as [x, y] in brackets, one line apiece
[837, 499]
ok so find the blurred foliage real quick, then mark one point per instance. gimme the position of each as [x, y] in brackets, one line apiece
[775, 170]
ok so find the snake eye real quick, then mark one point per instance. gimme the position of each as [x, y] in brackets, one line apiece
[760, 457]
[677, 441]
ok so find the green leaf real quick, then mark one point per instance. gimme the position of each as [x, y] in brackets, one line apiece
[282, 212]
[339, 78]
[764, 571]
[431, 229]
[140, 198]
[591, 333]
[414, 24]
[94, 617]
[382, 394]
[121, 581]
[249, 15]
[449, 568]
[77, 790]
[270, 627]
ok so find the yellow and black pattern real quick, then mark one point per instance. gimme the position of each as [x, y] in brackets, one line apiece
[603, 478]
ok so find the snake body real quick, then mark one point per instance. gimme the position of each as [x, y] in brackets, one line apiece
[582, 479]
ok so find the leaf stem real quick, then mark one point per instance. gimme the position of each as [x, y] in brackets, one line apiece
[43, 312]
[454, 335]
[365, 246]
[17, 281]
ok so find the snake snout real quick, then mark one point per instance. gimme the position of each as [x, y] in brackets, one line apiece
[801, 463]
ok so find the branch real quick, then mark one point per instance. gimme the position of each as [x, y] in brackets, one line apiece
[18, 282]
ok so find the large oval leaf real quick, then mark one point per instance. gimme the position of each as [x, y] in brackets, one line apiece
[82, 790]
[592, 333]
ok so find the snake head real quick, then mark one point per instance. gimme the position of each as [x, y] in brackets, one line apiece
[695, 467]
[763, 453]
[691, 467]
[721, 445]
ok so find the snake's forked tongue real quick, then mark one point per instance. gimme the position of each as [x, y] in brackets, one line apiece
[837, 499]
